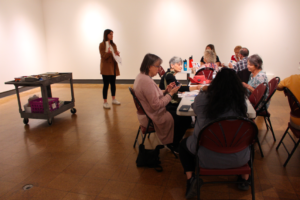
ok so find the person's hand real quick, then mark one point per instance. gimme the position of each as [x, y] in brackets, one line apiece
[170, 87]
[174, 90]
[245, 85]
[118, 53]
[230, 65]
[204, 88]
[109, 51]
[198, 87]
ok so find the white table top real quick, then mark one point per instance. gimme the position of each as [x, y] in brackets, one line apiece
[189, 100]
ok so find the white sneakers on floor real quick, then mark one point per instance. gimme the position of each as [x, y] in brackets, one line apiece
[115, 102]
[107, 106]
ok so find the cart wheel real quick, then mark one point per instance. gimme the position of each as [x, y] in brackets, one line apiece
[50, 121]
[26, 120]
[73, 110]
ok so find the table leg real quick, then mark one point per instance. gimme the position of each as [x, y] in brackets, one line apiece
[49, 93]
[44, 91]
[18, 97]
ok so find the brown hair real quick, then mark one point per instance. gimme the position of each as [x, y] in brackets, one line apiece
[237, 48]
[106, 32]
[148, 61]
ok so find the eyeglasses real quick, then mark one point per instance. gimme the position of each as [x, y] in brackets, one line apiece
[157, 66]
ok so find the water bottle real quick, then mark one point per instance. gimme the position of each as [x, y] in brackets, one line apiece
[185, 65]
[190, 62]
[214, 74]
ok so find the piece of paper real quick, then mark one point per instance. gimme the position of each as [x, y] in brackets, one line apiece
[118, 59]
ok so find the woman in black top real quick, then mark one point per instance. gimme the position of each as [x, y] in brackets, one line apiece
[181, 123]
[169, 77]
[211, 47]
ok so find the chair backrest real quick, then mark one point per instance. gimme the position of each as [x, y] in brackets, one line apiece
[244, 75]
[228, 135]
[207, 72]
[137, 103]
[273, 83]
[257, 95]
[161, 71]
[294, 103]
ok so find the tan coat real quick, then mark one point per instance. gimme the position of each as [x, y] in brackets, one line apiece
[154, 103]
[108, 61]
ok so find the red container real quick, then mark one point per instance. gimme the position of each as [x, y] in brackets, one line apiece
[37, 105]
[190, 62]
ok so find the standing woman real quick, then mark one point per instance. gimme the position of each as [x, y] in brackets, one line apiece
[109, 67]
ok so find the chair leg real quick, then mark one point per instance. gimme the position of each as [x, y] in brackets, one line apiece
[271, 128]
[266, 123]
[282, 138]
[261, 152]
[290, 155]
[136, 138]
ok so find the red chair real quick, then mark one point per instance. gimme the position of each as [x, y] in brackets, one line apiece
[263, 112]
[207, 72]
[140, 111]
[295, 111]
[227, 135]
[256, 98]
[161, 71]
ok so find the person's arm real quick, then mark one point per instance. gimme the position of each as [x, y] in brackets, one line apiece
[202, 61]
[104, 55]
[218, 61]
[249, 87]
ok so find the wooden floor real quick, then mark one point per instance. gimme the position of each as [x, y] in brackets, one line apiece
[89, 155]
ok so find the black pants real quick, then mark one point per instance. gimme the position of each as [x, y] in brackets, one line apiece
[187, 159]
[109, 79]
[181, 124]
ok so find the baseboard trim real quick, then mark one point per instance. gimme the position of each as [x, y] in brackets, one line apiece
[78, 81]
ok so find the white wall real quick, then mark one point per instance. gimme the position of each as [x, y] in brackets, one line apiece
[74, 29]
[22, 40]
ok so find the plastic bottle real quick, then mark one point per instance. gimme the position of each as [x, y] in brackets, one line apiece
[185, 65]
[190, 62]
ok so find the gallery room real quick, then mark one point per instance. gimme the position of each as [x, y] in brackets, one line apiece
[50, 50]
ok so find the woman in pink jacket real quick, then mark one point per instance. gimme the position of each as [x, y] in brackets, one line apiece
[154, 101]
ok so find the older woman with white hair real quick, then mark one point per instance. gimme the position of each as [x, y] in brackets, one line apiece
[182, 123]
[169, 77]
[210, 61]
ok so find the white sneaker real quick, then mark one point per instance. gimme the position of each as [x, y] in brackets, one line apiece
[106, 105]
[116, 102]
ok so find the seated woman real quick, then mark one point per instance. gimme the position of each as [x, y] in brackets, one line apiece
[169, 77]
[225, 96]
[257, 76]
[154, 101]
[236, 57]
[210, 61]
[212, 48]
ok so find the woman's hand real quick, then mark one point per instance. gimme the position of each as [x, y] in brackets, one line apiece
[204, 88]
[118, 53]
[170, 87]
[198, 87]
[174, 90]
[251, 89]
[109, 51]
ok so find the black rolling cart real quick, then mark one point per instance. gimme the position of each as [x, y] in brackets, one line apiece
[45, 86]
